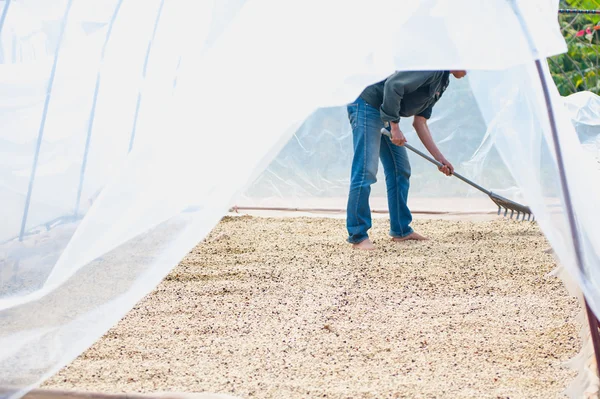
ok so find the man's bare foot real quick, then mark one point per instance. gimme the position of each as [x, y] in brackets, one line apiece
[365, 245]
[411, 237]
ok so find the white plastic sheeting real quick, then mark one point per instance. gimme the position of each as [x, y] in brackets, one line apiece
[128, 128]
[311, 171]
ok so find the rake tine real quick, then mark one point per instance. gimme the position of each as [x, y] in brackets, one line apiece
[499, 209]
[519, 214]
[512, 211]
[505, 211]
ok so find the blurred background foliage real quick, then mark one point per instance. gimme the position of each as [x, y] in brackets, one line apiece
[577, 70]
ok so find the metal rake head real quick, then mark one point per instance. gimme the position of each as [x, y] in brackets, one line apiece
[513, 207]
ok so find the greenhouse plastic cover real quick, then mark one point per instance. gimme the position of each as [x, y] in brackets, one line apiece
[130, 127]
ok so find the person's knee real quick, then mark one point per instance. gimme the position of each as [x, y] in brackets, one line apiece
[364, 176]
[370, 179]
[371, 171]
[405, 170]
[364, 179]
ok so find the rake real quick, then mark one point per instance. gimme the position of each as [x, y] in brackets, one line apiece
[501, 202]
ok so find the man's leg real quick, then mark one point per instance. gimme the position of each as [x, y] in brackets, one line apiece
[365, 122]
[397, 179]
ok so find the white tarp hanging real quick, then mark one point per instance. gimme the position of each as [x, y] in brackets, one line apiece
[146, 119]
[311, 171]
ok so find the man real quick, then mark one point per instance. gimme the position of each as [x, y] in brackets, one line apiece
[403, 94]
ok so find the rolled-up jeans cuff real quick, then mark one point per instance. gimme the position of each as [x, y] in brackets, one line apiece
[357, 240]
[408, 232]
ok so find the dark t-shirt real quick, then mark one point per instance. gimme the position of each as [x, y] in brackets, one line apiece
[407, 93]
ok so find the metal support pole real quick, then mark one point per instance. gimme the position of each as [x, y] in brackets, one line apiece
[4, 13]
[2, 19]
[575, 237]
[93, 110]
[572, 11]
[43, 122]
[148, 51]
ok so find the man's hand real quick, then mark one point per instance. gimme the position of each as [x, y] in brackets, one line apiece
[447, 169]
[397, 135]
[420, 125]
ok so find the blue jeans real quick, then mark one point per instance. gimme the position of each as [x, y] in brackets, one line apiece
[370, 146]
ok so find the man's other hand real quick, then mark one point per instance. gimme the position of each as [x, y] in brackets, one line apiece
[447, 169]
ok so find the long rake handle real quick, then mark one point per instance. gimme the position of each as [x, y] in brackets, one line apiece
[386, 132]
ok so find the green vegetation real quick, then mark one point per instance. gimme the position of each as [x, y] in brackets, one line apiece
[578, 69]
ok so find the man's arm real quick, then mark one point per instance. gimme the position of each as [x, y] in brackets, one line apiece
[420, 125]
